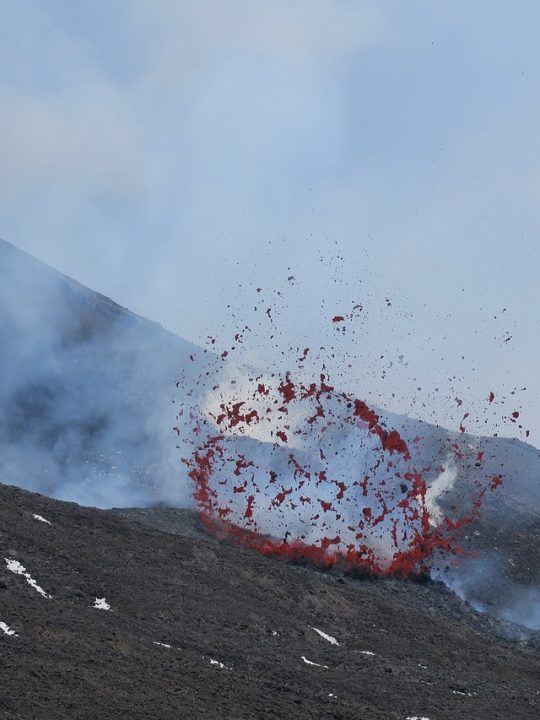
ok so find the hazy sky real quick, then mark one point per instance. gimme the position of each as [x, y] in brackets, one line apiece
[164, 152]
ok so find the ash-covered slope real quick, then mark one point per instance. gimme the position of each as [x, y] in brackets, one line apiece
[86, 391]
[202, 630]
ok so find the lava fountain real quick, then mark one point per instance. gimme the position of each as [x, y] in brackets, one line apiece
[303, 471]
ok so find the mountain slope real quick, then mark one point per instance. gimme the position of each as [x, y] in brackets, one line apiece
[88, 400]
[86, 390]
[240, 631]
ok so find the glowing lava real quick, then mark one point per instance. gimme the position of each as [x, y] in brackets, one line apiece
[290, 466]
[328, 483]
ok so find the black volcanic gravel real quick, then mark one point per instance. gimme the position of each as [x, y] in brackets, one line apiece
[433, 656]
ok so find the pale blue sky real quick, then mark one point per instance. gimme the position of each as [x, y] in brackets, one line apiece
[162, 152]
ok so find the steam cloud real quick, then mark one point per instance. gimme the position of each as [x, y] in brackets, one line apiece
[86, 393]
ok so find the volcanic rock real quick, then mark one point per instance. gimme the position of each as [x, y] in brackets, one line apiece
[201, 629]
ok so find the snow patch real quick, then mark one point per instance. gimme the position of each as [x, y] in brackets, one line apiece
[308, 662]
[366, 652]
[218, 664]
[162, 644]
[7, 630]
[101, 604]
[41, 519]
[16, 567]
[329, 638]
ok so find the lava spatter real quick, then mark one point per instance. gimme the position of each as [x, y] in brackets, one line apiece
[331, 486]
[289, 466]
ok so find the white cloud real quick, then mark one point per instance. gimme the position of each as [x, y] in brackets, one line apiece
[83, 142]
[304, 32]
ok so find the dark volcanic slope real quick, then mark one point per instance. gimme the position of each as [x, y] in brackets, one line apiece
[404, 650]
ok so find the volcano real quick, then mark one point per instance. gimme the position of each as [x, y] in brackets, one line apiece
[90, 397]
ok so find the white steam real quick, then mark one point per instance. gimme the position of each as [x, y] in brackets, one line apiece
[86, 392]
[440, 487]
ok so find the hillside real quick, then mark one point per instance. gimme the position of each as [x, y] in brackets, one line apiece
[198, 629]
[86, 391]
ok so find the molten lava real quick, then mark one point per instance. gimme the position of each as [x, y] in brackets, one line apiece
[333, 485]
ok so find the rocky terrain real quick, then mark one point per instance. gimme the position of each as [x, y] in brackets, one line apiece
[102, 616]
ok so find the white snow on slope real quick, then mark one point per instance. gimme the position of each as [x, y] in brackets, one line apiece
[330, 639]
[7, 630]
[366, 652]
[165, 645]
[416, 717]
[308, 662]
[16, 567]
[40, 518]
[101, 604]
[218, 664]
